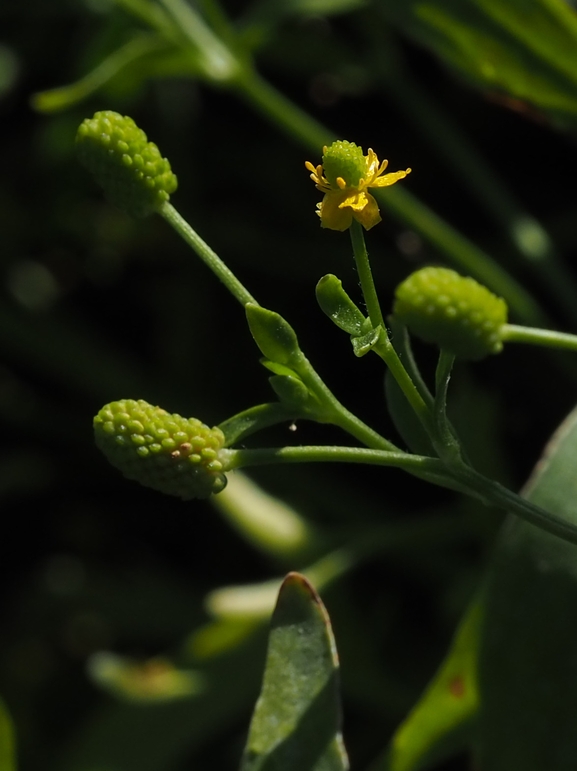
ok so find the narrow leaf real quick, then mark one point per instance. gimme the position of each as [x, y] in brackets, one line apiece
[440, 723]
[135, 50]
[273, 335]
[296, 722]
[526, 49]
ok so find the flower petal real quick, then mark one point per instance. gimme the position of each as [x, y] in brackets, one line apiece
[390, 179]
[332, 215]
[355, 200]
[369, 215]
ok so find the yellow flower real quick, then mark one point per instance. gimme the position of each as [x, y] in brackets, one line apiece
[344, 177]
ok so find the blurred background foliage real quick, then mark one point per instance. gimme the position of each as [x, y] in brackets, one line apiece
[106, 659]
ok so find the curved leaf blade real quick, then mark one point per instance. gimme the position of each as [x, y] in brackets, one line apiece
[296, 722]
[524, 48]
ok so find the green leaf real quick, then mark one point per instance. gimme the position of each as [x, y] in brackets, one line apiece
[440, 723]
[405, 419]
[338, 306]
[365, 343]
[273, 335]
[292, 392]
[528, 666]
[296, 722]
[144, 56]
[524, 48]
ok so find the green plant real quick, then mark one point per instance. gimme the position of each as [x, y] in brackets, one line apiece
[463, 318]
[501, 691]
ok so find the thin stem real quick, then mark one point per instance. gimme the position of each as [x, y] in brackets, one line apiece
[384, 347]
[337, 414]
[206, 254]
[495, 494]
[459, 477]
[511, 333]
[254, 419]
[333, 454]
[366, 275]
[219, 62]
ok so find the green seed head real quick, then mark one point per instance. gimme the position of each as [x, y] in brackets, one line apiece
[458, 314]
[175, 455]
[132, 172]
[344, 159]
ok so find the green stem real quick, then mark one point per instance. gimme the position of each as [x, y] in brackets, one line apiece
[337, 414]
[511, 333]
[460, 477]
[366, 275]
[495, 494]
[218, 61]
[206, 254]
[332, 454]
[254, 419]
[384, 347]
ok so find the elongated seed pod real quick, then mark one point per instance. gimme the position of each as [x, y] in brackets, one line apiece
[458, 314]
[129, 168]
[174, 455]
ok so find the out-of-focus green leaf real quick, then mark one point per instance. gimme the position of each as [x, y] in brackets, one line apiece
[142, 57]
[526, 49]
[296, 722]
[155, 737]
[440, 724]
[149, 681]
[528, 661]
[7, 748]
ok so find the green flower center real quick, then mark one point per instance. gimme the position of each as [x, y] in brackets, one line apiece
[344, 159]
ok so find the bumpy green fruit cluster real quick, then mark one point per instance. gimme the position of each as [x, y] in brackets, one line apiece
[344, 159]
[175, 455]
[458, 314]
[130, 169]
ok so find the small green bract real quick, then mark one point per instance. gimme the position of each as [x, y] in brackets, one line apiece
[458, 314]
[174, 455]
[129, 168]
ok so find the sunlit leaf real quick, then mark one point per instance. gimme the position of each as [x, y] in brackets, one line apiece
[296, 723]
